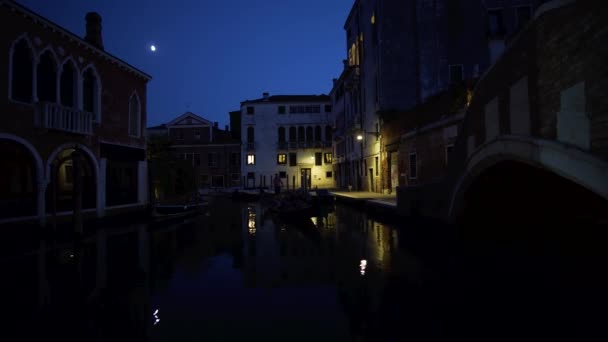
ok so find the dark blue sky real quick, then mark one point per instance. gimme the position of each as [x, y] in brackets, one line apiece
[214, 54]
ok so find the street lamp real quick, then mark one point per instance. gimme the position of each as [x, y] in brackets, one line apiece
[360, 135]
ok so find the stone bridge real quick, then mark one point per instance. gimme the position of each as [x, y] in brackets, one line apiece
[534, 141]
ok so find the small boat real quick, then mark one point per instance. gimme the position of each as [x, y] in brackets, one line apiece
[170, 211]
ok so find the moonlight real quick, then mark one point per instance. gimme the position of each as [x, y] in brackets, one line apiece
[153, 48]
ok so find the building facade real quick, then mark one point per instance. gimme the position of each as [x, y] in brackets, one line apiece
[399, 55]
[290, 136]
[72, 121]
[213, 153]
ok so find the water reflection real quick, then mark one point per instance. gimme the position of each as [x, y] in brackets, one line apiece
[242, 274]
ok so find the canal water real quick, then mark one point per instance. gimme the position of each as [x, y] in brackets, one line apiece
[240, 274]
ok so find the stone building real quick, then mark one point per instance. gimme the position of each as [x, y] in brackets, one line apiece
[403, 53]
[68, 108]
[287, 135]
[213, 153]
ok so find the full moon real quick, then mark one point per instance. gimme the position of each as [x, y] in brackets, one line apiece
[152, 48]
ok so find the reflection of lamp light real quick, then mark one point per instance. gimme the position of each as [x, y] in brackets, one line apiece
[363, 266]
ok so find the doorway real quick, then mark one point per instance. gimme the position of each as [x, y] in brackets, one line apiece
[305, 179]
[371, 179]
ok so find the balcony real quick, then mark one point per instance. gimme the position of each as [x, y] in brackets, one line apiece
[57, 117]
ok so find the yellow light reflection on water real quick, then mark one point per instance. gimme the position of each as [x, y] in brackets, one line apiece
[251, 220]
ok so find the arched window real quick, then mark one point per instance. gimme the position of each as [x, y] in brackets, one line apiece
[22, 72]
[318, 133]
[47, 78]
[328, 133]
[134, 116]
[309, 134]
[68, 83]
[281, 134]
[91, 93]
[301, 134]
[250, 134]
[292, 134]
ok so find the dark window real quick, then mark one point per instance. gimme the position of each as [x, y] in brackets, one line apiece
[212, 159]
[456, 73]
[308, 134]
[292, 134]
[301, 134]
[197, 159]
[328, 158]
[88, 91]
[68, 85]
[250, 175]
[524, 13]
[281, 134]
[496, 27]
[22, 72]
[293, 160]
[180, 134]
[328, 133]
[281, 159]
[282, 174]
[234, 159]
[250, 134]
[318, 133]
[250, 110]
[413, 166]
[217, 181]
[47, 78]
[281, 109]
[318, 158]
[197, 134]
[327, 108]
[134, 116]
[328, 174]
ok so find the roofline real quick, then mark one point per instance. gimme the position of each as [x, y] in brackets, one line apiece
[259, 101]
[350, 13]
[37, 17]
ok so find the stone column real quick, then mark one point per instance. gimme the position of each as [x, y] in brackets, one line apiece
[41, 201]
[142, 182]
[101, 187]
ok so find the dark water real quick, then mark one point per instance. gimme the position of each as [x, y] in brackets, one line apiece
[237, 274]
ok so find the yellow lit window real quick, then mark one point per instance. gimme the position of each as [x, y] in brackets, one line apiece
[373, 18]
[281, 159]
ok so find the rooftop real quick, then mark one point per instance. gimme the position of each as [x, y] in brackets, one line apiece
[289, 99]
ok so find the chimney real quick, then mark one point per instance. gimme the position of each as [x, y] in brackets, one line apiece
[265, 95]
[215, 124]
[93, 36]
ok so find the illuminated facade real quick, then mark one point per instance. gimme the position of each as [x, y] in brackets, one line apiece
[69, 108]
[290, 136]
[399, 54]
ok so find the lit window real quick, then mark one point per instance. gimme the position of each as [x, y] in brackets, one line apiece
[251, 159]
[373, 18]
[328, 158]
[281, 159]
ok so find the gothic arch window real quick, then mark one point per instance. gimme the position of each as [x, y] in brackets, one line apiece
[22, 71]
[292, 134]
[328, 133]
[46, 77]
[318, 133]
[91, 92]
[68, 81]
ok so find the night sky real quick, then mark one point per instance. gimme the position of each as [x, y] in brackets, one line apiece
[211, 55]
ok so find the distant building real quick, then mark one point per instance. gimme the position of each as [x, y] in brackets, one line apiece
[400, 53]
[213, 153]
[287, 135]
[63, 94]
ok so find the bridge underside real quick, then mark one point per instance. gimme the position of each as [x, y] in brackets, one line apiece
[512, 196]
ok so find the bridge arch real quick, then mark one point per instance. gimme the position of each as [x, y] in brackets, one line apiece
[543, 158]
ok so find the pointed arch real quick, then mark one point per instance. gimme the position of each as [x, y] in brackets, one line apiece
[47, 75]
[69, 78]
[21, 70]
[90, 91]
[134, 115]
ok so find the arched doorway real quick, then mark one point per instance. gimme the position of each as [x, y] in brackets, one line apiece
[60, 193]
[18, 176]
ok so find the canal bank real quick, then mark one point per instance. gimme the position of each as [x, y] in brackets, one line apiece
[376, 204]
